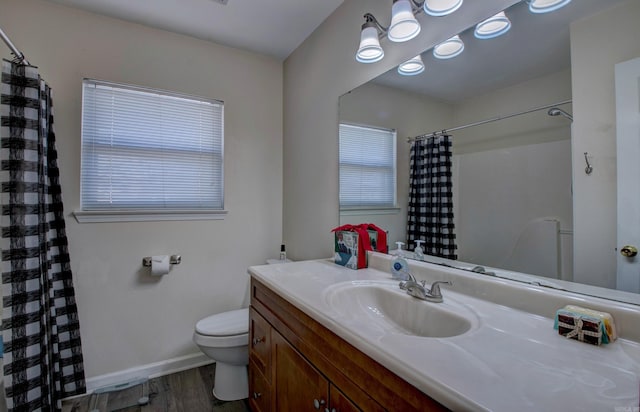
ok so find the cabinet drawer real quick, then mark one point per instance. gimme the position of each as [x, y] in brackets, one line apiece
[260, 343]
[259, 390]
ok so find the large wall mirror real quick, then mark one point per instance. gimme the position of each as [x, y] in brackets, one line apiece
[524, 199]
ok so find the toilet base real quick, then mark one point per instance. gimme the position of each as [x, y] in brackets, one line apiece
[231, 382]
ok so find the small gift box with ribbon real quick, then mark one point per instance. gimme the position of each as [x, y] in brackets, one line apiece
[353, 241]
[581, 327]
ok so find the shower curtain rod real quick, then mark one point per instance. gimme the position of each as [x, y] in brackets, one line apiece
[493, 119]
[14, 50]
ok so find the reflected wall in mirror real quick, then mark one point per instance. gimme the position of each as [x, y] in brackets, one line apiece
[522, 199]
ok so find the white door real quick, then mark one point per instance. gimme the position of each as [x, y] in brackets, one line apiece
[628, 161]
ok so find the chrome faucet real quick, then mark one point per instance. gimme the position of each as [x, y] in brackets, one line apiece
[420, 291]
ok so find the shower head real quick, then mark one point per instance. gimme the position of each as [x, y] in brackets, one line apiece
[554, 111]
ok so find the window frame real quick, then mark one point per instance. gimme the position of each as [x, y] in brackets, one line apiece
[371, 209]
[123, 214]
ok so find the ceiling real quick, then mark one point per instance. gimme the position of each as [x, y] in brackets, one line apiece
[272, 27]
[536, 45]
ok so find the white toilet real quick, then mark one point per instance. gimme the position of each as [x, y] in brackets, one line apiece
[224, 337]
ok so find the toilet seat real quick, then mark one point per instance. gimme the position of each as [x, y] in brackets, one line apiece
[225, 329]
[234, 322]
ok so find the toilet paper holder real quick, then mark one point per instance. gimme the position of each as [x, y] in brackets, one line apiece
[173, 259]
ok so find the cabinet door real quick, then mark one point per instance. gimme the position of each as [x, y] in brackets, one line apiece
[260, 343]
[340, 403]
[298, 385]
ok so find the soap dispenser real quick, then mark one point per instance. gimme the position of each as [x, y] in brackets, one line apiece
[400, 269]
[418, 252]
[398, 251]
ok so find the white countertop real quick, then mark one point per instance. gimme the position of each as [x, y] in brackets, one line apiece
[510, 360]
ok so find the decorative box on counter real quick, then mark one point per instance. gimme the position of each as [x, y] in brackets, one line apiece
[353, 241]
[585, 325]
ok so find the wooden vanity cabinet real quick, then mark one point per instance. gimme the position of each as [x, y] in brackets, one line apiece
[259, 363]
[260, 344]
[300, 386]
[259, 390]
[296, 364]
[339, 402]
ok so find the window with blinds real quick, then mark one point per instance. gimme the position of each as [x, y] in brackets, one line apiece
[145, 149]
[367, 167]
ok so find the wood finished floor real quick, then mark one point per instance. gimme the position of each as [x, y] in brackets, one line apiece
[187, 391]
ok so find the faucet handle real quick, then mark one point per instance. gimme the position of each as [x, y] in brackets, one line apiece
[416, 290]
[406, 283]
[435, 287]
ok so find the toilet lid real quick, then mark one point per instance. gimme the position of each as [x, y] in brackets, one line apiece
[234, 322]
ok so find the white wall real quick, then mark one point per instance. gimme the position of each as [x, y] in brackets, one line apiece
[535, 127]
[410, 114]
[500, 192]
[513, 171]
[315, 75]
[128, 319]
[597, 44]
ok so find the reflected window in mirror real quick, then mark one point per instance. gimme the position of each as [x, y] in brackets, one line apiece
[367, 167]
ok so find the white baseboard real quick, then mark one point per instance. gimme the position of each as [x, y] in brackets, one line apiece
[151, 370]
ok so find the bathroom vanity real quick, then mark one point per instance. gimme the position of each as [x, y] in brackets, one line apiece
[334, 339]
[297, 364]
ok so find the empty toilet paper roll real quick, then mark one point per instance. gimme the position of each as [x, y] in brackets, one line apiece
[160, 265]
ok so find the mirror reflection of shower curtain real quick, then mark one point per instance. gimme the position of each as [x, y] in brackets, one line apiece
[43, 360]
[430, 212]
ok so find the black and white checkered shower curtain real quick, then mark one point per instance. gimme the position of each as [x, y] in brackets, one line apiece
[42, 351]
[430, 214]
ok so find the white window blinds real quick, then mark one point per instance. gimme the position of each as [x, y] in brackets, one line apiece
[367, 167]
[146, 149]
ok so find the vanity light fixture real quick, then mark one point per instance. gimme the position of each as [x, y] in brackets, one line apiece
[449, 49]
[546, 6]
[493, 26]
[370, 50]
[404, 25]
[411, 67]
[441, 7]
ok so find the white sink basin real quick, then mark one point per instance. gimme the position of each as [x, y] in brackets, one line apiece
[384, 306]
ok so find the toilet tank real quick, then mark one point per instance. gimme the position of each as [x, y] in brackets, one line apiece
[278, 261]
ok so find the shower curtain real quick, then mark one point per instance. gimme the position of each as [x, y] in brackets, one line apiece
[430, 213]
[42, 350]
